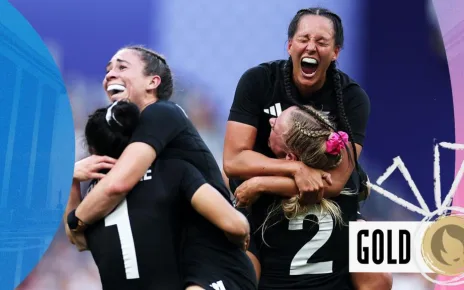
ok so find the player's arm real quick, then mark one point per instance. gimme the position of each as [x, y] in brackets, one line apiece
[250, 190]
[74, 198]
[213, 206]
[208, 202]
[86, 169]
[73, 202]
[357, 112]
[367, 281]
[239, 159]
[77, 239]
[255, 243]
[113, 188]
[158, 125]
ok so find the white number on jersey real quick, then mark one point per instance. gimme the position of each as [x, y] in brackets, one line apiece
[120, 218]
[300, 265]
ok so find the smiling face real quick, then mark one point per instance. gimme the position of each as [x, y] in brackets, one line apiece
[312, 49]
[126, 79]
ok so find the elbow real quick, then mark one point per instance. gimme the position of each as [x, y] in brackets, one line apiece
[237, 226]
[380, 281]
[229, 167]
[117, 189]
[384, 282]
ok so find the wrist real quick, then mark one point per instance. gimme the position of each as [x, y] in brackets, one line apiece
[74, 223]
[76, 183]
[258, 186]
[295, 166]
[77, 178]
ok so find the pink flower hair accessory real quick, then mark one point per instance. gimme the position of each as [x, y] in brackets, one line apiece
[336, 142]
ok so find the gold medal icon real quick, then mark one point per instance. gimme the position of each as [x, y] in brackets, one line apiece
[443, 246]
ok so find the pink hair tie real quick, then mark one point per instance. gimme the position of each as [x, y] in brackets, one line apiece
[336, 142]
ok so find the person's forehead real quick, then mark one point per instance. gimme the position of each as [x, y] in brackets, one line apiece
[281, 123]
[315, 23]
[123, 53]
[286, 113]
[126, 55]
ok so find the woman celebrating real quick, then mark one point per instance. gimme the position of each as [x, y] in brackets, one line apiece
[163, 131]
[308, 77]
[293, 242]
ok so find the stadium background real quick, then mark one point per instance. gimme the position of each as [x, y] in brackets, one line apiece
[393, 49]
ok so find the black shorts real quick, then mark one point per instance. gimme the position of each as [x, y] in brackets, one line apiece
[215, 280]
[220, 270]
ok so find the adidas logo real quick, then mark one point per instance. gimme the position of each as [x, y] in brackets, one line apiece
[274, 110]
[219, 285]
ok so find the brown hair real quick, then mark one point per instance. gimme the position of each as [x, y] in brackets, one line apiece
[155, 64]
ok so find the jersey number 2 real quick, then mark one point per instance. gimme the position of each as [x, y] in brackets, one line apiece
[300, 265]
[120, 218]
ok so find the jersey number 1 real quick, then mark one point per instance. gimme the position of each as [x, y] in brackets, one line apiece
[300, 265]
[120, 218]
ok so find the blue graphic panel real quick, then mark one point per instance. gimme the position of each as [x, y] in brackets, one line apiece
[36, 147]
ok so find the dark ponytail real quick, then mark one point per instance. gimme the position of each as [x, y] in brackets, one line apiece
[343, 119]
[108, 130]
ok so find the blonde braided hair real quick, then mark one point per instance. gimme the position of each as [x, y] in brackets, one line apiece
[306, 138]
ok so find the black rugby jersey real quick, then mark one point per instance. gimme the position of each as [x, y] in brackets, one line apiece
[260, 95]
[137, 245]
[166, 127]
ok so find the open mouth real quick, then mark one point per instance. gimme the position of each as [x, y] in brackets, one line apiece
[115, 89]
[309, 66]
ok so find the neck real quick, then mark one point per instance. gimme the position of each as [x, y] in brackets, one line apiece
[146, 102]
[308, 90]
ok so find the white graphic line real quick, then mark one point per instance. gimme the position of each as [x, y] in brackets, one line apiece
[387, 173]
[436, 176]
[398, 200]
[398, 163]
[412, 185]
[424, 210]
[454, 187]
[452, 146]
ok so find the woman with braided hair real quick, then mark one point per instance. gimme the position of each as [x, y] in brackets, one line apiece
[308, 77]
[310, 140]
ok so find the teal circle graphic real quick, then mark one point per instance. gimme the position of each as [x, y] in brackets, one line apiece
[36, 147]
